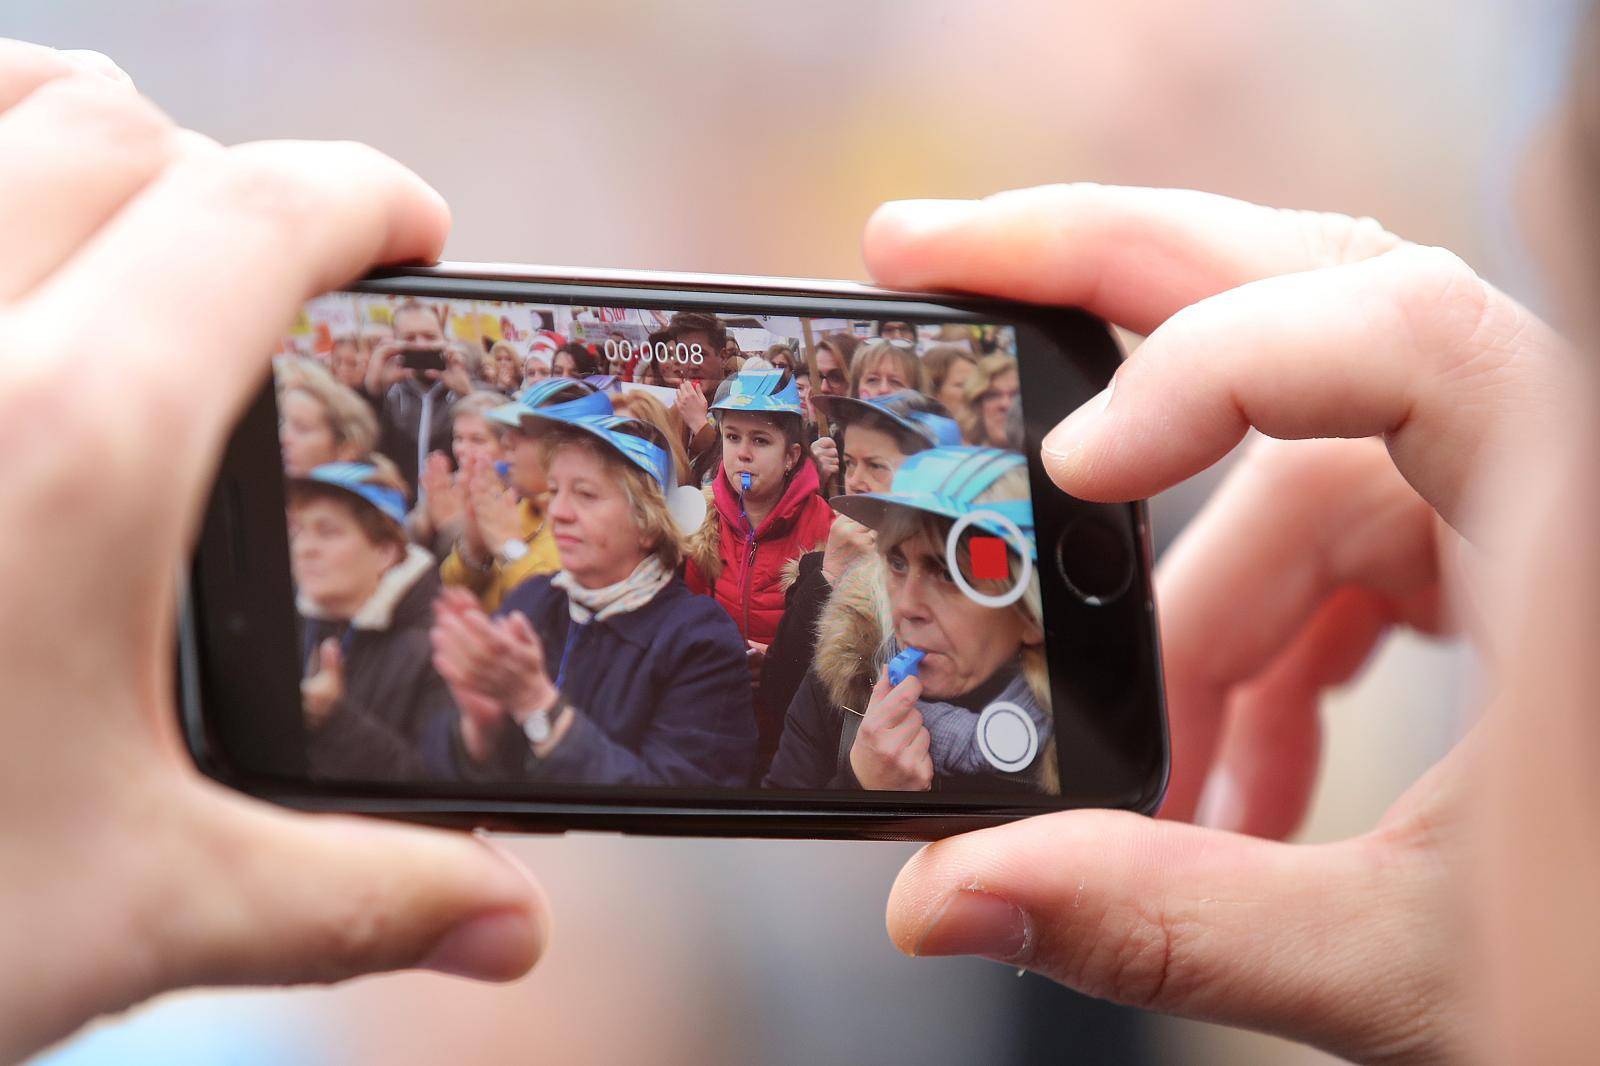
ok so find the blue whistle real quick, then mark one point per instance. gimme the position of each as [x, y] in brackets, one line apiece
[905, 665]
[744, 481]
[503, 468]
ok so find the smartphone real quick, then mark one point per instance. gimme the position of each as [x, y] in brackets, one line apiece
[832, 593]
[420, 359]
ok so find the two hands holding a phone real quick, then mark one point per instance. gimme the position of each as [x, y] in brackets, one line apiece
[1301, 325]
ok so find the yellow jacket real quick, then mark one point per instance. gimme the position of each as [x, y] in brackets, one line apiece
[501, 576]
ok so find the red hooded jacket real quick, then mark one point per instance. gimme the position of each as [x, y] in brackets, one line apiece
[743, 568]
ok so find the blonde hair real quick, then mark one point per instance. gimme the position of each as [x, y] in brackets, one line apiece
[989, 368]
[646, 408]
[477, 404]
[350, 418]
[879, 352]
[938, 360]
[506, 348]
[654, 522]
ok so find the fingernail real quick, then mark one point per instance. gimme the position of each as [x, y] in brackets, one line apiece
[976, 923]
[494, 947]
[1063, 443]
[98, 63]
[917, 217]
[1221, 803]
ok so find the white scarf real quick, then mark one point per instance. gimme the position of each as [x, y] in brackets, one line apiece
[629, 594]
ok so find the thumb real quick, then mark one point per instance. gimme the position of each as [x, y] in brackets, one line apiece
[332, 660]
[1292, 939]
[314, 898]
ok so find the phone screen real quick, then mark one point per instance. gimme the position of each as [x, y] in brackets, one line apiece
[646, 548]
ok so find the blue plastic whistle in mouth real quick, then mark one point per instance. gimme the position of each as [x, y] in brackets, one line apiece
[905, 665]
[503, 468]
[744, 481]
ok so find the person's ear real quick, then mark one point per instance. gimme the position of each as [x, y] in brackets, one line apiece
[1032, 634]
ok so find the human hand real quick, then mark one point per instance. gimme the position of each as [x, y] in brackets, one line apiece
[493, 506]
[324, 687]
[755, 656]
[106, 204]
[442, 498]
[1303, 326]
[826, 453]
[384, 369]
[473, 546]
[890, 750]
[455, 376]
[499, 659]
[848, 543]
[693, 407]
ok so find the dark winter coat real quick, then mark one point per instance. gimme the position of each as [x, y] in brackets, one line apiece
[392, 694]
[661, 695]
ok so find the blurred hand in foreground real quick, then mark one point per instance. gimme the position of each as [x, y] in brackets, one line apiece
[126, 872]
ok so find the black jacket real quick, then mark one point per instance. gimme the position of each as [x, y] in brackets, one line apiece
[392, 692]
[791, 653]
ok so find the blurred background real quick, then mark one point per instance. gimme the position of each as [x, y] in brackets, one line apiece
[732, 136]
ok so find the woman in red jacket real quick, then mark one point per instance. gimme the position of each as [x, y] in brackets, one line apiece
[763, 508]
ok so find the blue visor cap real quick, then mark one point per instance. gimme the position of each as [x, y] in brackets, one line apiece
[760, 392]
[939, 431]
[636, 441]
[357, 479]
[561, 399]
[944, 482]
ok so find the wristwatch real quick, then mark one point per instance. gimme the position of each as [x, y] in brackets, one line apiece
[536, 727]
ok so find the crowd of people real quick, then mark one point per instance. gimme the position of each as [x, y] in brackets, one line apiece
[663, 560]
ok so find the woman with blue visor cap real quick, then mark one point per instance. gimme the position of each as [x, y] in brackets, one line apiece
[877, 435]
[505, 536]
[930, 670]
[364, 597]
[763, 512]
[609, 671]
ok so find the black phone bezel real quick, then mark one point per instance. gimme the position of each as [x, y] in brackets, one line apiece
[237, 647]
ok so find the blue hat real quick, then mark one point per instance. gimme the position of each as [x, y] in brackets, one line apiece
[936, 428]
[560, 398]
[635, 440]
[641, 444]
[760, 392]
[945, 482]
[359, 480]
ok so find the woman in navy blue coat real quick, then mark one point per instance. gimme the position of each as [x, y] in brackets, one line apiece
[610, 671]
